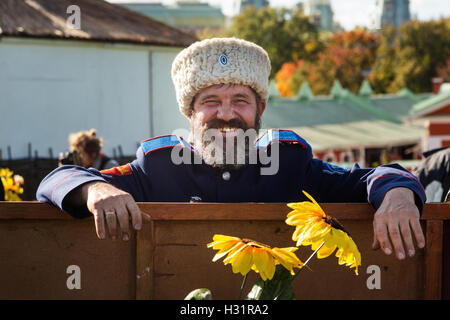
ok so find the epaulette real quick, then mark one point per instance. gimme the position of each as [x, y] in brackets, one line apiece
[162, 142]
[123, 170]
[272, 135]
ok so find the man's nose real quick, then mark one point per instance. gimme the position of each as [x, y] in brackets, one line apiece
[226, 112]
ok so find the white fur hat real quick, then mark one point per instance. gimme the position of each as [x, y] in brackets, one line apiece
[216, 61]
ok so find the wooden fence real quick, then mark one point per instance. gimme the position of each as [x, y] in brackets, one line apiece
[168, 257]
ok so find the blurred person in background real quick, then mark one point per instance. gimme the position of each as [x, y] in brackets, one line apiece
[85, 150]
[434, 174]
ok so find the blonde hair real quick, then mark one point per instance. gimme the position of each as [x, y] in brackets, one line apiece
[85, 142]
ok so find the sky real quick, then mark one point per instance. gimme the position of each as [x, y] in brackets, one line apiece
[349, 13]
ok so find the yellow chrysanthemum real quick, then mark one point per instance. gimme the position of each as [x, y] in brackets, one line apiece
[11, 184]
[245, 255]
[313, 227]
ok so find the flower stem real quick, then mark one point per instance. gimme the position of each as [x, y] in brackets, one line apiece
[242, 286]
[304, 265]
[307, 260]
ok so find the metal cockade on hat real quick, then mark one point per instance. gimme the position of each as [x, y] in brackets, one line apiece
[223, 59]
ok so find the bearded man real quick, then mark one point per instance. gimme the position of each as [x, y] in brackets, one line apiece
[222, 88]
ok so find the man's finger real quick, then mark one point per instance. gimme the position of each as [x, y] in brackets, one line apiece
[394, 234]
[418, 233]
[375, 243]
[146, 217]
[111, 221]
[135, 213]
[380, 231]
[407, 237]
[99, 219]
[122, 217]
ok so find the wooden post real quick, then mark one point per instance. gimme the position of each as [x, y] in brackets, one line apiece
[145, 247]
[433, 260]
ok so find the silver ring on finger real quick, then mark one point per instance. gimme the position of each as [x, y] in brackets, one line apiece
[110, 213]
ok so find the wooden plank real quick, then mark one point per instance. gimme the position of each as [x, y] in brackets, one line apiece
[433, 259]
[30, 210]
[145, 249]
[35, 254]
[217, 211]
[446, 262]
[183, 263]
[247, 211]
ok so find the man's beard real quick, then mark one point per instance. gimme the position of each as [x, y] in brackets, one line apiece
[225, 152]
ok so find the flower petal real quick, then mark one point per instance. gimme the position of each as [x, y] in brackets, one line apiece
[261, 262]
[242, 261]
[287, 259]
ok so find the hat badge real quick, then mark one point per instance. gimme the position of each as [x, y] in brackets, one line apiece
[223, 60]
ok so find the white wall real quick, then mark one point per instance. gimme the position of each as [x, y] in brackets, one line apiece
[167, 116]
[50, 88]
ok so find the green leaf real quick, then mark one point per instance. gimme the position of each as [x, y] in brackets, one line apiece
[280, 285]
[199, 294]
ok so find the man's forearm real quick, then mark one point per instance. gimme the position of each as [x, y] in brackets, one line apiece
[79, 196]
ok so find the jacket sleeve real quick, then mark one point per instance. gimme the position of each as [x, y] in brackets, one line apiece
[57, 185]
[335, 184]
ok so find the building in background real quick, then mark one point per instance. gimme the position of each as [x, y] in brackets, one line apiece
[112, 74]
[240, 5]
[189, 16]
[257, 3]
[392, 12]
[345, 128]
[320, 12]
[434, 115]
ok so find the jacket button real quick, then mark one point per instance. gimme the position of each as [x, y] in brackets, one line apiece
[226, 176]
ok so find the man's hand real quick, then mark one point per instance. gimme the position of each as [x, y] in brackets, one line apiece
[394, 223]
[112, 209]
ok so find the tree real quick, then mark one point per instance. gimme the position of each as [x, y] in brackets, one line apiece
[285, 34]
[289, 78]
[417, 51]
[348, 57]
[383, 70]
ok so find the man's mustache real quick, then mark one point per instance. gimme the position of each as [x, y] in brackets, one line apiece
[219, 123]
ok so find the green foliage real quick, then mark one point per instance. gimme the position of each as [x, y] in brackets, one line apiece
[208, 33]
[279, 287]
[411, 56]
[286, 35]
[407, 57]
[348, 55]
[383, 70]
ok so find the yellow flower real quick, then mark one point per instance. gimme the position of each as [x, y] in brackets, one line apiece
[11, 184]
[314, 227]
[245, 255]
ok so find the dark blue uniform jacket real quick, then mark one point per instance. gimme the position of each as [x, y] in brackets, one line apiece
[153, 176]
